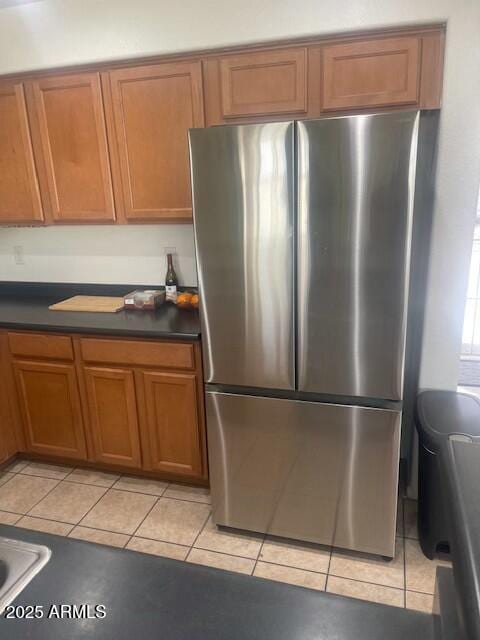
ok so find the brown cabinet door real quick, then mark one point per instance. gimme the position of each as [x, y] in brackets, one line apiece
[71, 124]
[113, 415]
[264, 83]
[3, 447]
[171, 421]
[373, 73]
[154, 106]
[50, 406]
[19, 189]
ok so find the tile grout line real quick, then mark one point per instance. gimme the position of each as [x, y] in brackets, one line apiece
[72, 524]
[13, 513]
[328, 567]
[174, 544]
[132, 535]
[198, 535]
[234, 555]
[34, 475]
[259, 554]
[157, 500]
[100, 531]
[43, 497]
[70, 472]
[376, 584]
[124, 475]
[149, 511]
[87, 484]
[112, 486]
[93, 505]
[163, 496]
[9, 480]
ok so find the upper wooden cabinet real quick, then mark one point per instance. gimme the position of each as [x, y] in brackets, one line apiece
[19, 190]
[341, 74]
[70, 118]
[263, 83]
[111, 145]
[154, 106]
[257, 85]
[372, 73]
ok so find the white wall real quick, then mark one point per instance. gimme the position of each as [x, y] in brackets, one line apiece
[49, 33]
[103, 254]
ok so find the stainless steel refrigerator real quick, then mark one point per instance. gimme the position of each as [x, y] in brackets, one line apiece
[303, 235]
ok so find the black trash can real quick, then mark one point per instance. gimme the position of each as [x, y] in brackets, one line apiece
[439, 415]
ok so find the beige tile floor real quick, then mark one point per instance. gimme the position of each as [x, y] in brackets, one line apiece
[174, 521]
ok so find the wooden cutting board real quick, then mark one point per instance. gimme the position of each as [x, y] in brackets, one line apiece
[97, 304]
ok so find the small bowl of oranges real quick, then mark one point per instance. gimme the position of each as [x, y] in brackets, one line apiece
[187, 300]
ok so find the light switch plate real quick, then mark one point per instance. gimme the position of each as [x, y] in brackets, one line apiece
[18, 254]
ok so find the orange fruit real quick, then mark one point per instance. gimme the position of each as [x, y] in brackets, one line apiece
[184, 299]
[194, 300]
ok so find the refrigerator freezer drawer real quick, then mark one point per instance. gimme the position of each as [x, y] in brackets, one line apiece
[310, 471]
[243, 202]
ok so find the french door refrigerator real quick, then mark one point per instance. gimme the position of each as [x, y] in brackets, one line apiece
[303, 234]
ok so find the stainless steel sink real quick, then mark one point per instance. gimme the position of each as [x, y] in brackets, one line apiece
[19, 563]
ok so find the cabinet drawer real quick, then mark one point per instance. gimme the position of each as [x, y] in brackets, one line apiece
[372, 73]
[36, 345]
[171, 355]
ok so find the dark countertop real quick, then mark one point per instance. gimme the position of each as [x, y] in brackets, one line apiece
[152, 597]
[25, 306]
[448, 423]
[460, 462]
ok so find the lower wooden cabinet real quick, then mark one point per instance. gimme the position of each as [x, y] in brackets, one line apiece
[50, 406]
[3, 449]
[113, 415]
[171, 422]
[127, 403]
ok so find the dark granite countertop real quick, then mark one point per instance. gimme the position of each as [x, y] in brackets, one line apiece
[448, 423]
[152, 597]
[25, 306]
[460, 466]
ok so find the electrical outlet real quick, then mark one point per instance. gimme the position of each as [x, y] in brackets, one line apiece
[18, 255]
[172, 250]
